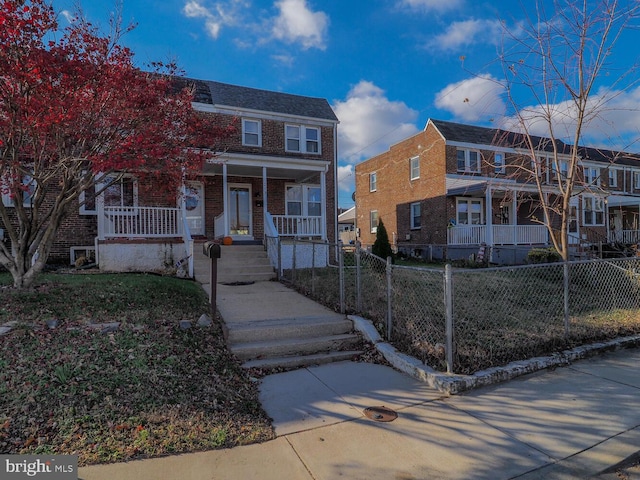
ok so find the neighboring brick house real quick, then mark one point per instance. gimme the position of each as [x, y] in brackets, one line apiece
[279, 167]
[455, 187]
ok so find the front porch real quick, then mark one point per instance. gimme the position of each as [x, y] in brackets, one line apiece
[497, 235]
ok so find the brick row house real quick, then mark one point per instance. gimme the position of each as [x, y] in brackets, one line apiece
[454, 188]
[275, 176]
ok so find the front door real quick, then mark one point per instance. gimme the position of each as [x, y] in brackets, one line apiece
[240, 210]
[194, 204]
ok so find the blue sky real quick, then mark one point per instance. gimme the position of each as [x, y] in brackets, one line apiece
[385, 66]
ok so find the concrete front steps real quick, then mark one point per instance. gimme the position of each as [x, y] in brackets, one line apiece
[237, 263]
[293, 342]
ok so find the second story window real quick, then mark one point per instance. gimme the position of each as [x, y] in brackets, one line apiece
[414, 164]
[613, 178]
[468, 161]
[373, 182]
[498, 162]
[251, 132]
[591, 176]
[302, 139]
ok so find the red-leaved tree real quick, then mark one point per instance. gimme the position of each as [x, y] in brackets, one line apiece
[72, 109]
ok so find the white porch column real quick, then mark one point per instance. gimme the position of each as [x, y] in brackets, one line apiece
[323, 193]
[489, 216]
[514, 214]
[264, 201]
[225, 199]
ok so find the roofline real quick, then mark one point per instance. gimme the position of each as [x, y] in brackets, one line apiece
[231, 110]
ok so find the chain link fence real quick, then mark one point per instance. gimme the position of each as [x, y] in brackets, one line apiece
[465, 320]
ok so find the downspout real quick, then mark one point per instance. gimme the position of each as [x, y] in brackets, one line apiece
[264, 203]
[225, 200]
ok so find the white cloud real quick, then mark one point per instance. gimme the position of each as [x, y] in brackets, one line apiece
[432, 5]
[613, 120]
[221, 15]
[370, 122]
[297, 23]
[468, 32]
[345, 178]
[473, 99]
[69, 17]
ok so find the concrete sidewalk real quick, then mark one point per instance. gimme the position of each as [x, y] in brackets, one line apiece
[573, 422]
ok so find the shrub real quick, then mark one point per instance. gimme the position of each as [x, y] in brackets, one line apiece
[543, 255]
[382, 247]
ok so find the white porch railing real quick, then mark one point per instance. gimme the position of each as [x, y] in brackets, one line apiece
[625, 236]
[298, 226]
[140, 222]
[502, 234]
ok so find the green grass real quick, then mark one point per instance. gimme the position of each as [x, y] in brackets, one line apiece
[147, 389]
[500, 315]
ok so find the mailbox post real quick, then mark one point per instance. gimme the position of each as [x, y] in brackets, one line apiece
[212, 250]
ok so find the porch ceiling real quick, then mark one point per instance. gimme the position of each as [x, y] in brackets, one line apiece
[296, 175]
[622, 200]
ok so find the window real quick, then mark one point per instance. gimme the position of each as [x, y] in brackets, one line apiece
[373, 220]
[28, 191]
[294, 200]
[304, 200]
[415, 168]
[498, 162]
[591, 176]
[613, 178]
[468, 161]
[121, 193]
[251, 132]
[302, 139]
[416, 218]
[636, 180]
[88, 201]
[593, 210]
[469, 211]
[373, 182]
[564, 169]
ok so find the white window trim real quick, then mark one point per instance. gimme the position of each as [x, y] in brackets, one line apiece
[373, 181]
[414, 165]
[7, 201]
[595, 202]
[636, 180]
[413, 225]
[499, 168]
[302, 139]
[592, 176]
[468, 201]
[374, 229]
[100, 198]
[467, 160]
[244, 132]
[304, 210]
[612, 175]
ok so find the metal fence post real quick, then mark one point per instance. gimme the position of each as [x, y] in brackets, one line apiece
[293, 266]
[279, 258]
[313, 268]
[566, 299]
[389, 270]
[448, 304]
[341, 276]
[358, 280]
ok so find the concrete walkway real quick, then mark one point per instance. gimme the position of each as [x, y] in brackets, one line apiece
[572, 422]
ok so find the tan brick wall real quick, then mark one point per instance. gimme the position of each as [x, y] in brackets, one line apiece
[396, 191]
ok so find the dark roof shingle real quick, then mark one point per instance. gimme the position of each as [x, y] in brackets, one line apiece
[224, 94]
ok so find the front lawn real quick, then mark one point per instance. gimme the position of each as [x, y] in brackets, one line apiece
[147, 388]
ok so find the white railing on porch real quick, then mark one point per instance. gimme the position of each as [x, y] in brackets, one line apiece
[298, 226]
[625, 236]
[140, 222]
[502, 234]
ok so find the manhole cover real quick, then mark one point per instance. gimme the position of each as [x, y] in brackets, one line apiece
[380, 414]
